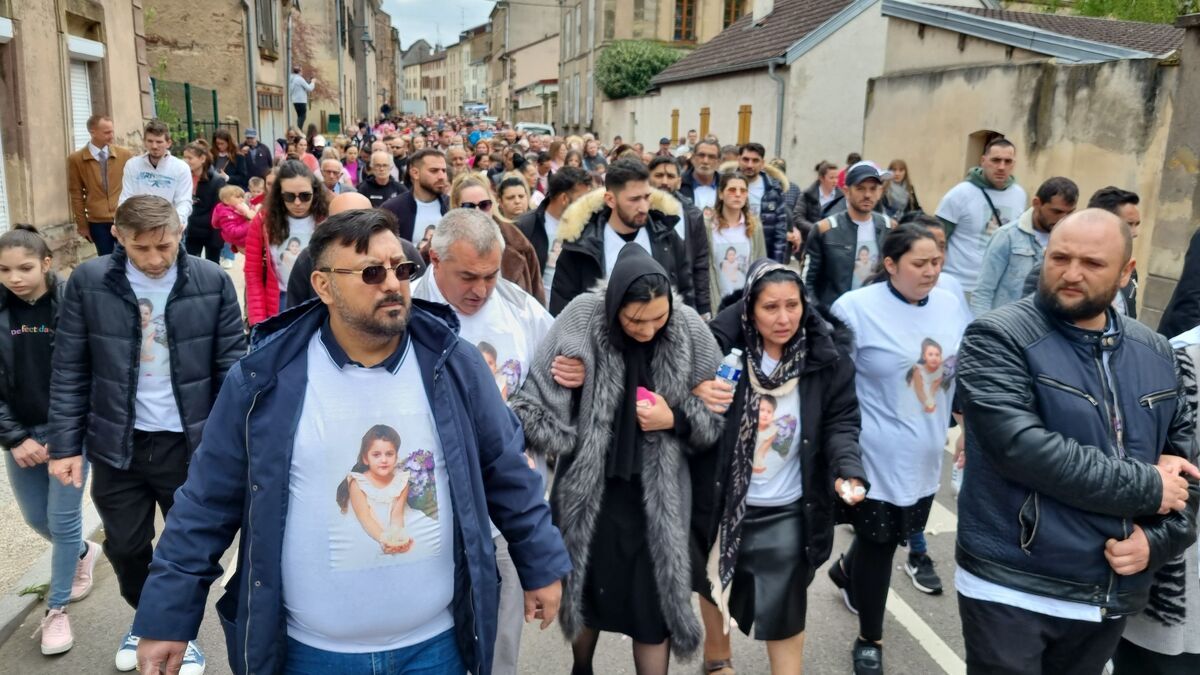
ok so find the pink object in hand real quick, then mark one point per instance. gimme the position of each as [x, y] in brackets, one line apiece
[645, 398]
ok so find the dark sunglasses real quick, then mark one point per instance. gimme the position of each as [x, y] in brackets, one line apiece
[485, 205]
[304, 197]
[374, 275]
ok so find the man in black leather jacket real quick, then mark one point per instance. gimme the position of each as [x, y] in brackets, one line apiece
[1076, 439]
[145, 338]
[664, 175]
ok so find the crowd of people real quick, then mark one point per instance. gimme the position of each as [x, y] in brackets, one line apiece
[485, 377]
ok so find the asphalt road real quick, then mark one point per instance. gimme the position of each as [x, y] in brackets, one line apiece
[921, 633]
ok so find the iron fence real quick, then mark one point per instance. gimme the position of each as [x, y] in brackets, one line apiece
[189, 111]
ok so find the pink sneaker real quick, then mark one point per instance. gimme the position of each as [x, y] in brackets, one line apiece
[82, 585]
[56, 632]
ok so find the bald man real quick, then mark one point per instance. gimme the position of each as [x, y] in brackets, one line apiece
[300, 288]
[1079, 454]
[379, 185]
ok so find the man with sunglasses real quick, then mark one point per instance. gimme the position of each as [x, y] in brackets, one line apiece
[327, 581]
[144, 342]
[379, 186]
[426, 203]
[299, 286]
[699, 184]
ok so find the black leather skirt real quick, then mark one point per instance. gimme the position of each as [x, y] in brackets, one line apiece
[771, 576]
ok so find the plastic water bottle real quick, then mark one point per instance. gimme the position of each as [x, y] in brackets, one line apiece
[730, 369]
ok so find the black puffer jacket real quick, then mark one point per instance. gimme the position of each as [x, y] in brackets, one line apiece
[96, 350]
[829, 421]
[204, 200]
[696, 246]
[12, 432]
[1050, 477]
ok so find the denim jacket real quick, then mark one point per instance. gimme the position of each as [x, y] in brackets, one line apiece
[1010, 256]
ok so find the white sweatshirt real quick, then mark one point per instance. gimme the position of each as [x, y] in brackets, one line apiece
[171, 180]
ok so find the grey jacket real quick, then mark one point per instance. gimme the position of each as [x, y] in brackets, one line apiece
[576, 425]
[1012, 253]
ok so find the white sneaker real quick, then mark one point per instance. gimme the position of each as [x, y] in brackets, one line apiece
[127, 655]
[82, 584]
[193, 660]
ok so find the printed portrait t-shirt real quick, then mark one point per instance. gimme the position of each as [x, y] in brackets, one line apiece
[300, 230]
[904, 357]
[154, 407]
[974, 222]
[553, 249]
[368, 560]
[866, 252]
[731, 251]
[775, 478]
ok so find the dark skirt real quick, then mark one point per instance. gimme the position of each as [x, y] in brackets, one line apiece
[620, 594]
[883, 522]
[771, 575]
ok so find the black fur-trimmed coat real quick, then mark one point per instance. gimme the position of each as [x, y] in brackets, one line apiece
[577, 426]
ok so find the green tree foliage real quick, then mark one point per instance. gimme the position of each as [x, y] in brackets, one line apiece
[1152, 11]
[626, 67]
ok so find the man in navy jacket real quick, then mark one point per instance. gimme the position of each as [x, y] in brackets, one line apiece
[260, 458]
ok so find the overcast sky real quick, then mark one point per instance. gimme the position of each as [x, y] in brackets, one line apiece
[435, 21]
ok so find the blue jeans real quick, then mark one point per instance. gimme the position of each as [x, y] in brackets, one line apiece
[227, 252]
[436, 656]
[54, 511]
[917, 544]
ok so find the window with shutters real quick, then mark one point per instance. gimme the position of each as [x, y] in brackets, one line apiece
[268, 28]
[81, 103]
[733, 10]
[685, 20]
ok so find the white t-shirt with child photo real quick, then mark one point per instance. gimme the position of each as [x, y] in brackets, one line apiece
[775, 479]
[154, 405]
[731, 251]
[370, 525]
[974, 222]
[551, 227]
[300, 230]
[866, 252]
[905, 357]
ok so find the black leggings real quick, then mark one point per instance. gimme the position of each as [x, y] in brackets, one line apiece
[869, 566]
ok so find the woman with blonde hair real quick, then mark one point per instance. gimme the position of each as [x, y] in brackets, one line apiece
[735, 237]
[899, 197]
[518, 263]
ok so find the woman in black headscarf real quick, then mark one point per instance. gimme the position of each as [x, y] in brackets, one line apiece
[621, 492]
[763, 508]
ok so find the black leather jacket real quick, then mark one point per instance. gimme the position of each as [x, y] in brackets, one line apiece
[1061, 456]
[96, 349]
[830, 252]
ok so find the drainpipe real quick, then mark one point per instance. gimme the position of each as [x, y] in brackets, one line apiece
[779, 100]
[251, 58]
[341, 52]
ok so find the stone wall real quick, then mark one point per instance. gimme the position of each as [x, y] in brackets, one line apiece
[1098, 124]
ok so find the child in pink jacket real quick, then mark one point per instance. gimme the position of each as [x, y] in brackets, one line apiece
[232, 216]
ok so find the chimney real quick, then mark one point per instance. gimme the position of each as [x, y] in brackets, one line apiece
[762, 9]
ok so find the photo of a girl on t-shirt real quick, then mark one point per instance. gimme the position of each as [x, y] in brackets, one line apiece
[377, 488]
[927, 375]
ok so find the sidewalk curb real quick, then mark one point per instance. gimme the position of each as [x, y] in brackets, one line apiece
[13, 607]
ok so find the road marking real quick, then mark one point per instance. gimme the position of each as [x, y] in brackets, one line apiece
[941, 520]
[939, 651]
[229, 571]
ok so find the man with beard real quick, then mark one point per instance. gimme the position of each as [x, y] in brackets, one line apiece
[689, 225]
[458, 160]
[699, 184]
[595, 228]
[1080, 447]
[427, 202]
[370, 538]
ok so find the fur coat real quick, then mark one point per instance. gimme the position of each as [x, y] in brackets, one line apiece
[577, 426]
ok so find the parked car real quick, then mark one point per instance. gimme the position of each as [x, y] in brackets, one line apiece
[528, 127]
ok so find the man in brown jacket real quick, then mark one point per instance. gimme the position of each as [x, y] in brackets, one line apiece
[94, 183]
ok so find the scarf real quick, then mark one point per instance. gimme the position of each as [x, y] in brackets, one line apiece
[625, 458]
[780, 382]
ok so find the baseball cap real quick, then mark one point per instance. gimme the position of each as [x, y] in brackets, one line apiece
[865, 170]
[251, 133]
